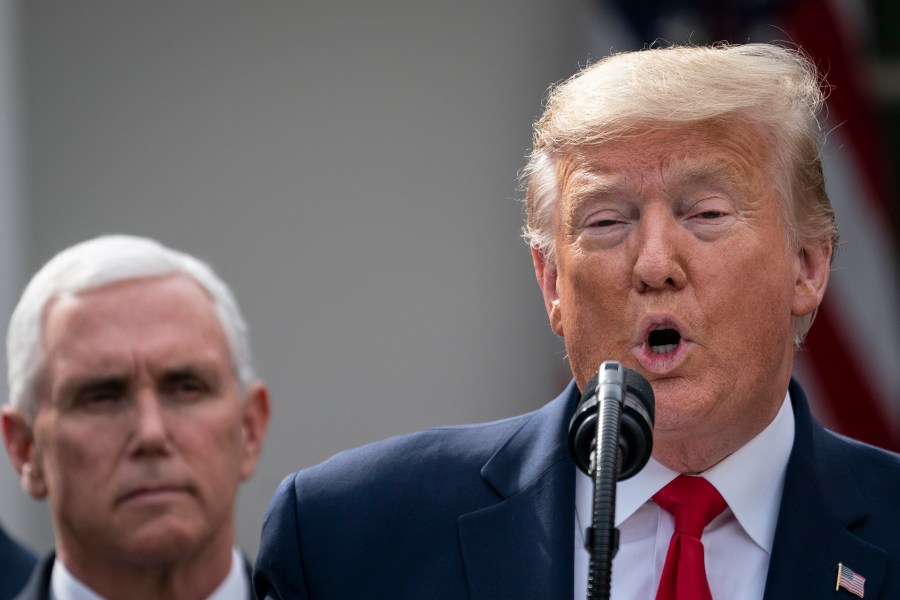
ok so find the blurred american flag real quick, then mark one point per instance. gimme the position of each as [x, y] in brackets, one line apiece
[850, 363]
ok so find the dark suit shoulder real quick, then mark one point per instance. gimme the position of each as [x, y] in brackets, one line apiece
[383, 520]
[873, 472]
[382, 516]
[429, 461]
[16, 564]
[854, 450]
[37, 586]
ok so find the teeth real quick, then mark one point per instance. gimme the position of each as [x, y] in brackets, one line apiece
[662, 349]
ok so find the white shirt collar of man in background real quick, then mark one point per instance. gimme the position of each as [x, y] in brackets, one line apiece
[738, 543]
[64, 585]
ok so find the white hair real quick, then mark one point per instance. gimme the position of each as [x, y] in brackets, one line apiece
[96, 263]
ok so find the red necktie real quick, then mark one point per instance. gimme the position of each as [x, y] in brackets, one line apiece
[694, 502]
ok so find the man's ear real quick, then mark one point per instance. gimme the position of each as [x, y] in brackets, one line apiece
[812, 268]
[19, 439]
[254, 424]
[546, 273]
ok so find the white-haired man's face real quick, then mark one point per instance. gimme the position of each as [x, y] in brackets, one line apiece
[142, 434]
[672, 258]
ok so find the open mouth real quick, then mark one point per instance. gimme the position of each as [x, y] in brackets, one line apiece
[663, 339]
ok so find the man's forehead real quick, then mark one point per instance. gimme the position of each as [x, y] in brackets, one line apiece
[132, 292]
[172, 311]
[599, 175]
[674, 155]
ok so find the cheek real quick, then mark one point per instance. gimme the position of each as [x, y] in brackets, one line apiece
[221, 446]
[764, 280]
[594, 293]
[220, 464]
[594, 304]
[584, 273]
[79, 462]
[750, 300]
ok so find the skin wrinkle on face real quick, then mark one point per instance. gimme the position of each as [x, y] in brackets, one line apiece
[143, 433]
[681, 226]
[585, 185]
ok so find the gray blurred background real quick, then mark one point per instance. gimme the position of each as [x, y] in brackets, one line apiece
[348, 167]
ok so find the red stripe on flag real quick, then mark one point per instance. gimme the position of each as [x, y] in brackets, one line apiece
[858, 406]
[851, 581]
[814, 26]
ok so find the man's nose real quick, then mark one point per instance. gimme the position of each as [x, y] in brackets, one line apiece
[151, 435]
[660, 260]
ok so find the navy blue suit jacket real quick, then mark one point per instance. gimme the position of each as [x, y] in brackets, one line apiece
[486, 512]
[16, 563]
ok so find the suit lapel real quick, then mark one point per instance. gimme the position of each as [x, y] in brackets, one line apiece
[819, 509]
[522, 547]
[248, 571]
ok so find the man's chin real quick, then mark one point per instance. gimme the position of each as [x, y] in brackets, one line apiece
[160, 541]
[679, 412]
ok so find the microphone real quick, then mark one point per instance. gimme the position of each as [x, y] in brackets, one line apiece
[634, 394]
[610, 438]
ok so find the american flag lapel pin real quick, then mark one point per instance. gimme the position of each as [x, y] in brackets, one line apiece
[850, 580]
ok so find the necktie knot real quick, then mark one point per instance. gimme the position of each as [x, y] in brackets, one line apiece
[692, 501]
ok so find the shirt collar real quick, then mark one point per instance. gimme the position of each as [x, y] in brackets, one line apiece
[754, 501]
[65, 586]
[235, 584]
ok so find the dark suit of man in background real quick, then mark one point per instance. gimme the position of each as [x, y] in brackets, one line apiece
[679, 224]
[135, 412]
[16, 563]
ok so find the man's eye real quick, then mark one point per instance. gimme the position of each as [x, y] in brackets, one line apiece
[186, 390]
[711, 214]
[604, 223]
[96, 400]
[100, 398]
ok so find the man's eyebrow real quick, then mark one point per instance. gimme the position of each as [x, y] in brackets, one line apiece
[190, 370]
[706, 170]
[597, 187]
[75, 385]
[582, 187]
[184, 371]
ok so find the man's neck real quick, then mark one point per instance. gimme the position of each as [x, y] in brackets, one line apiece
[192, 578]
[696, 451]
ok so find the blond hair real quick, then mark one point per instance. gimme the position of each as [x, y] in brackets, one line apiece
[775, 88]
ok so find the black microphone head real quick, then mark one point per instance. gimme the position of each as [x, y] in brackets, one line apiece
[583, 426]
[638, 418]
[636, 430]
[638, 385]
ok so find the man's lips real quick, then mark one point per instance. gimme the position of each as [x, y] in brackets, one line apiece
[152, 493]
[662, 344]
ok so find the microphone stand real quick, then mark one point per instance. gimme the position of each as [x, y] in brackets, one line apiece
[602, 539]
[614, 448]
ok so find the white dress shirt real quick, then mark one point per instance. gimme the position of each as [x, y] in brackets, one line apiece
[65, 586]
[738, 543]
